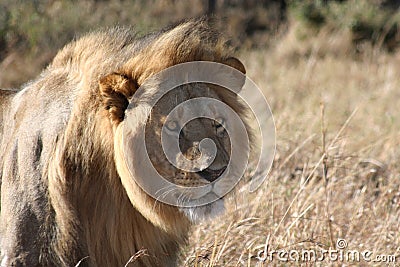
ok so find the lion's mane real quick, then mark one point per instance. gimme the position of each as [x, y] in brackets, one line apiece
[62, 198]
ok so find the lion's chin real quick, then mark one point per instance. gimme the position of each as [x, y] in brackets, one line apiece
[205, 212]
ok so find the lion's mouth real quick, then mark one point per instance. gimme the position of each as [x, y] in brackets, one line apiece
[199, 194]
[210, 174]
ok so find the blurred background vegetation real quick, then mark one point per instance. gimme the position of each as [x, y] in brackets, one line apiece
[32, 31]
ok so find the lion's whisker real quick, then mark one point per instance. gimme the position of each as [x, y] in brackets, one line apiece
[168, 189]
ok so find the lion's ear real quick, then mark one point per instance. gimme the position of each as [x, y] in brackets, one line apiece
[237, 79]
[235, 63]
[116, 89]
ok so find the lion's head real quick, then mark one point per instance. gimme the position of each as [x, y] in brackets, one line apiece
[177, 148]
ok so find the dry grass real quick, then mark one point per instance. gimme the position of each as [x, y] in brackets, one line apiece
[336, 172]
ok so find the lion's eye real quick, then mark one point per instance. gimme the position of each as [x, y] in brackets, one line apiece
[220, 121]
[172, 125]
[220, 126]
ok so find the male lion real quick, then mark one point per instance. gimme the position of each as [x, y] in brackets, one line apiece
[66, 192]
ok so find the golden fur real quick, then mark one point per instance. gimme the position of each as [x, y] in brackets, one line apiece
[66, 190]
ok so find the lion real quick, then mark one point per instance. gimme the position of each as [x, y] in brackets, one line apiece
[67, 194]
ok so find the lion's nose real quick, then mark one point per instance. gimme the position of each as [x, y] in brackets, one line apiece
[211, 175]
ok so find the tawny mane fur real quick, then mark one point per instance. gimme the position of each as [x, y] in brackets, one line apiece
[62, 194]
